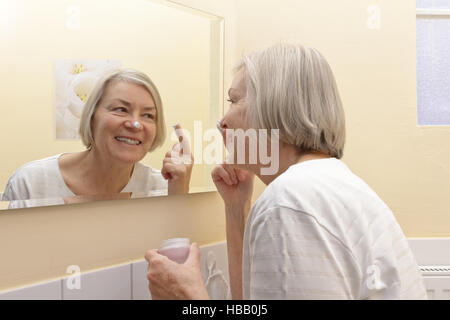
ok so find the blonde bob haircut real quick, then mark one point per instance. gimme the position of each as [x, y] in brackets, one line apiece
[126, 75]
[292, 88]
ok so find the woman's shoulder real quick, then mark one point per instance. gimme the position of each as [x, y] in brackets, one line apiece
[36, 167]
[288, 190]
[22, 183]
[309, 185]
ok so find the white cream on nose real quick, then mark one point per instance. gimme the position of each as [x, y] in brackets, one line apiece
[136, 124]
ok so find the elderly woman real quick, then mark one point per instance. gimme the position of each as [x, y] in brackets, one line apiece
[317, 231]
[122, 120]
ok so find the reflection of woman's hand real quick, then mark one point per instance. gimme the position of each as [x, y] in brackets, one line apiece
[177, 167]
[169, 280]
[234, 185]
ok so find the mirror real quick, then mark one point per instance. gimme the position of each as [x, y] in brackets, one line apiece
[53, 51]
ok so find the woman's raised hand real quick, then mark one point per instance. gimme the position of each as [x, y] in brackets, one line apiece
[177, 165]
[234, 185]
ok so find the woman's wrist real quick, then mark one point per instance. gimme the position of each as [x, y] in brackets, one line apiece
[180, 186]
[236, 217]
[237, 210]
[238, 206]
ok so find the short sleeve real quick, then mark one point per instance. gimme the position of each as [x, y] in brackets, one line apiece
[11, 190]
[291, 256]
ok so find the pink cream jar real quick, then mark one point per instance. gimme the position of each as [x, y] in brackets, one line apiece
[176, 249]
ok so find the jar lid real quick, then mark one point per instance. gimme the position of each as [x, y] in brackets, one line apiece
[175, 243]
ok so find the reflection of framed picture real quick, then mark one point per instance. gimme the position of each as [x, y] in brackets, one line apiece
[74, 81]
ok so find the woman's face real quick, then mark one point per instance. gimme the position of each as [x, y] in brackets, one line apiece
[115, 136]
[235, 116]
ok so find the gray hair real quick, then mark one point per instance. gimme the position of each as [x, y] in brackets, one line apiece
[127, 75]
[293, 89]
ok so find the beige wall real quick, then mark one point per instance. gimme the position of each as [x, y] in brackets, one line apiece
[408, 166]
[375, 70]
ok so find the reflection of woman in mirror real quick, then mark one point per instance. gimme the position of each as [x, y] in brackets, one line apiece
[121, 121]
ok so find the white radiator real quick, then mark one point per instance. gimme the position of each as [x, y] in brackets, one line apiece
[437, 281]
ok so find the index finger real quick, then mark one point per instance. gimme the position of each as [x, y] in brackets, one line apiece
[178, 131]
[185, 147]
[150, 254]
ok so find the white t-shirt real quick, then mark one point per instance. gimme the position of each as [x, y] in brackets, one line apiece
[319, 232]
[42, 179]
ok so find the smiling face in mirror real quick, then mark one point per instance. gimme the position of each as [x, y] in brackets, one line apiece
[124, 123]
[120, 123]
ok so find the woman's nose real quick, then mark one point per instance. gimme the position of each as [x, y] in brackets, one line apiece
[223, 123]
[133, 124]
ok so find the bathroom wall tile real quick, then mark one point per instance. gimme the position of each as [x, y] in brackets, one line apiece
[430, 251]
[50, 290]
[438, 288]
[107, 284]
[139, 281]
